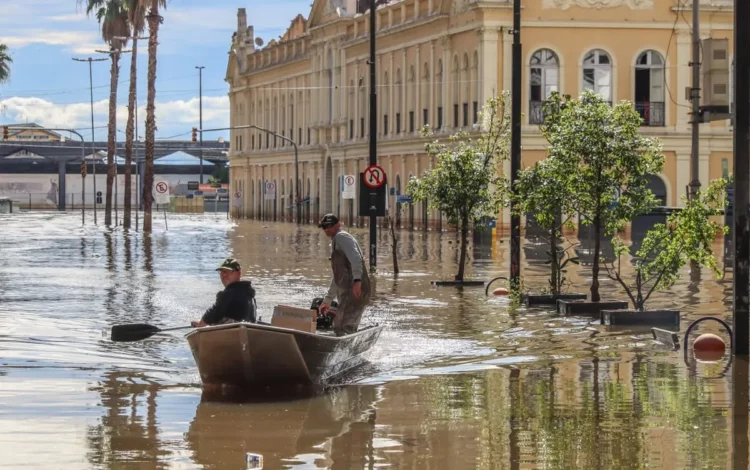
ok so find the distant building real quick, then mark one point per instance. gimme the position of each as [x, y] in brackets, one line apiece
[31, 132]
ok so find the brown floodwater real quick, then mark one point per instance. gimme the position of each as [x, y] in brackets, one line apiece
[457, 380]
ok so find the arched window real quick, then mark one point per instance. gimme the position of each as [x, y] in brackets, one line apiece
[412, 99]
[439, 92]
[399, 99]
[649, 88]
[455, 87]
[465, 90]
[543, 80]
[476, 83]
[426, 88]
[351, 97]
[597, 74]
[386, 102]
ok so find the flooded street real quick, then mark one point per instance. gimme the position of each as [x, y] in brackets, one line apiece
[457, 380]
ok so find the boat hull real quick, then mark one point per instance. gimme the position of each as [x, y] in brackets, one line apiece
[247, 354]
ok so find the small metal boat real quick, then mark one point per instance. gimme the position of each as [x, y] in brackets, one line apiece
[258, 354]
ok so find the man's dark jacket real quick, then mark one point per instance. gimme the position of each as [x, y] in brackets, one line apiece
[235, 302]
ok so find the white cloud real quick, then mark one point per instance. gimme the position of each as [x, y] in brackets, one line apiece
[21, 38]
[67, 18]
[172, 117]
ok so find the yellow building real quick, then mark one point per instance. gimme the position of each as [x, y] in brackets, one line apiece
[30, 132]
[437, 63]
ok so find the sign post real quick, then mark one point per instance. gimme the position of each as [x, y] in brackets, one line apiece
[347, 187]
[161, 197]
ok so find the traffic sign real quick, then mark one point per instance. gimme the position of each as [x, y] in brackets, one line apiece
[193, 185]
[237, 201]
[161, 192]
[374, 176]
[347, 187]
[270, 190]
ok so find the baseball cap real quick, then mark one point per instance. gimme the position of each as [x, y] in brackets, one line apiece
[328, 221]
[229, 264]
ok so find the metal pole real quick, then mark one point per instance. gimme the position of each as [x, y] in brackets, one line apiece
[137, 165]
[93, 152]
[515, 143]
[373, 136]
[741, 276]
[200, 112]
[695, 183]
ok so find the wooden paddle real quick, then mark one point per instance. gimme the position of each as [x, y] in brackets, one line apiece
[139, 331]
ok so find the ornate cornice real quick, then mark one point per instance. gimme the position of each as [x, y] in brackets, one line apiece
[598, 4]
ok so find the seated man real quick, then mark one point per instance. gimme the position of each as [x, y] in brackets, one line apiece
[235, 303]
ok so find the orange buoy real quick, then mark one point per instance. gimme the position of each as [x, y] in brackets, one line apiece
[709, 347]
[500, 291]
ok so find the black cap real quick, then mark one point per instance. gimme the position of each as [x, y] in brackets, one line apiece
[229, 264]
[328, 221]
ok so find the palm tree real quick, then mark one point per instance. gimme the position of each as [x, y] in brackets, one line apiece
[5, 62]
[154, 19]
[137, 23]
[113, 18]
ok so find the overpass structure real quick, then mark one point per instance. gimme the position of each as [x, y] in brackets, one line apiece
[214, 151]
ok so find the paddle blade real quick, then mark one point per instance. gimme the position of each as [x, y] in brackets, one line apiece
[133, 332]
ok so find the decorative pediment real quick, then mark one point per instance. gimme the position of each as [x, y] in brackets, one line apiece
[323, 11]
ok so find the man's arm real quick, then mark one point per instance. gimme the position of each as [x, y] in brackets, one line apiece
[333, 292]
[349, 246]
[216, 312]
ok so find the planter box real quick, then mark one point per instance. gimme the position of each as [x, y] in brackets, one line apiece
[666, 337]
[647, 318]
[459, 283]
[531, 299]
[579, 307]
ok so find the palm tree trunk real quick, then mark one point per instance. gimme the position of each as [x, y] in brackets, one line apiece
[148, 181]
[111, 135]
[129, 129]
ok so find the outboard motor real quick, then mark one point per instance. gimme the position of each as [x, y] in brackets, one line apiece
[325, 321]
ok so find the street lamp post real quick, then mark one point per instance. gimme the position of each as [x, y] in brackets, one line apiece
[286, 139]
[91, 91]
[200, 113]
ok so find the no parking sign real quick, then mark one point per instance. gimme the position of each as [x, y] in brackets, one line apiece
[347, 187]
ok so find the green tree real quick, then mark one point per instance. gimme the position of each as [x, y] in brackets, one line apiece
[542, 193]
[5, 61]
[606, 163]
[113, 18]
[687, 235]
[465, 183]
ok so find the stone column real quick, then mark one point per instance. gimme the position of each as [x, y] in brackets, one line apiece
[684, 81]
[431, 85]
[507, 40]
[418, 98]
[683, 175]
[488, 38]
[447, 85]
[416, 9]
[404, 89]
[391, 92]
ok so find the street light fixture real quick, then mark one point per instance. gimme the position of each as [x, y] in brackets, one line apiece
[91, 90]
[284, 138]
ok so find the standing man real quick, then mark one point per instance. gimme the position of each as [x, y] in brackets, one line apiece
[350, 284]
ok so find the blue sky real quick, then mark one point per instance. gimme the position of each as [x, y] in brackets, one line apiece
[49, 88]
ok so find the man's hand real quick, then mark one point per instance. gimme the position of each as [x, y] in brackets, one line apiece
[357, 289]
[323, 308]
[198, 323]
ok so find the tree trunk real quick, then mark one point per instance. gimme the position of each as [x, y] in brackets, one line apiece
[394, 245]
[129, 130]
[595, 267]
[555, 284]
[148, 180]
[462, 261]
[114, 74]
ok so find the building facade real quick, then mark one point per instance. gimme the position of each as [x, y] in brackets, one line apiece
[438, 61]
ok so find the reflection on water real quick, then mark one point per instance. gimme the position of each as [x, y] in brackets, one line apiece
[456, 381]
